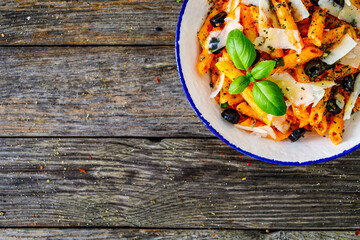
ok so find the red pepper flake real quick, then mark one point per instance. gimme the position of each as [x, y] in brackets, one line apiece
[357, 232]
[157, 80]
[221, 153]
[89, 157]
[213, 235]
[82, 170]
[41, 167]
[248, 164]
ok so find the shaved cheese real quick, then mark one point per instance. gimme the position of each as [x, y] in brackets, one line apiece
[222, 35]
[251, 2]
[338, 51]
[350, 14]
[300, 93]
[273, 38]
[263, 131]
[332, 7]
[232, 5]
[299, 12]
[280, 122]
[352, 59]
[267, 17]
[352, 99]
[236, 15]
[218, 85]
[340, 100]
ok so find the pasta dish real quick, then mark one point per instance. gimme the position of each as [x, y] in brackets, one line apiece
[281, 68]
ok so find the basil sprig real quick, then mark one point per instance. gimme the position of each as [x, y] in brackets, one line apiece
[266, 94]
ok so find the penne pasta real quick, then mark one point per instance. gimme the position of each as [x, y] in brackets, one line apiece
[317, 113]
[286, 20]
[228, 68]
[245, 109]
[316, 28]
[300, 74]
[336, 128]
[293, 60]
[248, 22]
[333, 36]
[302, 113]
[204, 61]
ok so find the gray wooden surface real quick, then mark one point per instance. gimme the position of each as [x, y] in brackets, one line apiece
[88, 138]
[169, 183]
[88, 22]
[93, 91]
[160, 234]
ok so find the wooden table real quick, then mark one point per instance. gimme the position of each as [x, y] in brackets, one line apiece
[92, 146]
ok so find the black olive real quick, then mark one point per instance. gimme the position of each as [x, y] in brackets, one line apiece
[332, 107]
[158, 29]
[347, 83]
[315, 2]
[218, 51]
[213, 44]
[297, 134]
[340, 2]
[231, 115]
[315, 68]
[218, 19]
[257, 58]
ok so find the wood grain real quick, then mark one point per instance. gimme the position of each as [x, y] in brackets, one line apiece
[172, 183]
[93, 91]
[159, 234]
[88, 22]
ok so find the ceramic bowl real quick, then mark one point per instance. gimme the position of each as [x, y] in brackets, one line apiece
[309, 150]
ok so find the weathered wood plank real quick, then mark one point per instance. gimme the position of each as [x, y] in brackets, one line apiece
[59, 22]
[172, 183]
[80, 234]
[93, 91]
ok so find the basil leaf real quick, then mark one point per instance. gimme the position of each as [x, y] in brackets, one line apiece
[268, 96]
[249, 76]
[240, 49]
[263, 69]
[239, 84]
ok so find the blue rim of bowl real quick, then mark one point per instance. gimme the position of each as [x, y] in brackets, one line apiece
[208, 125]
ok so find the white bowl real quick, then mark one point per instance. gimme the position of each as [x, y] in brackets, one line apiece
[309, 150]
